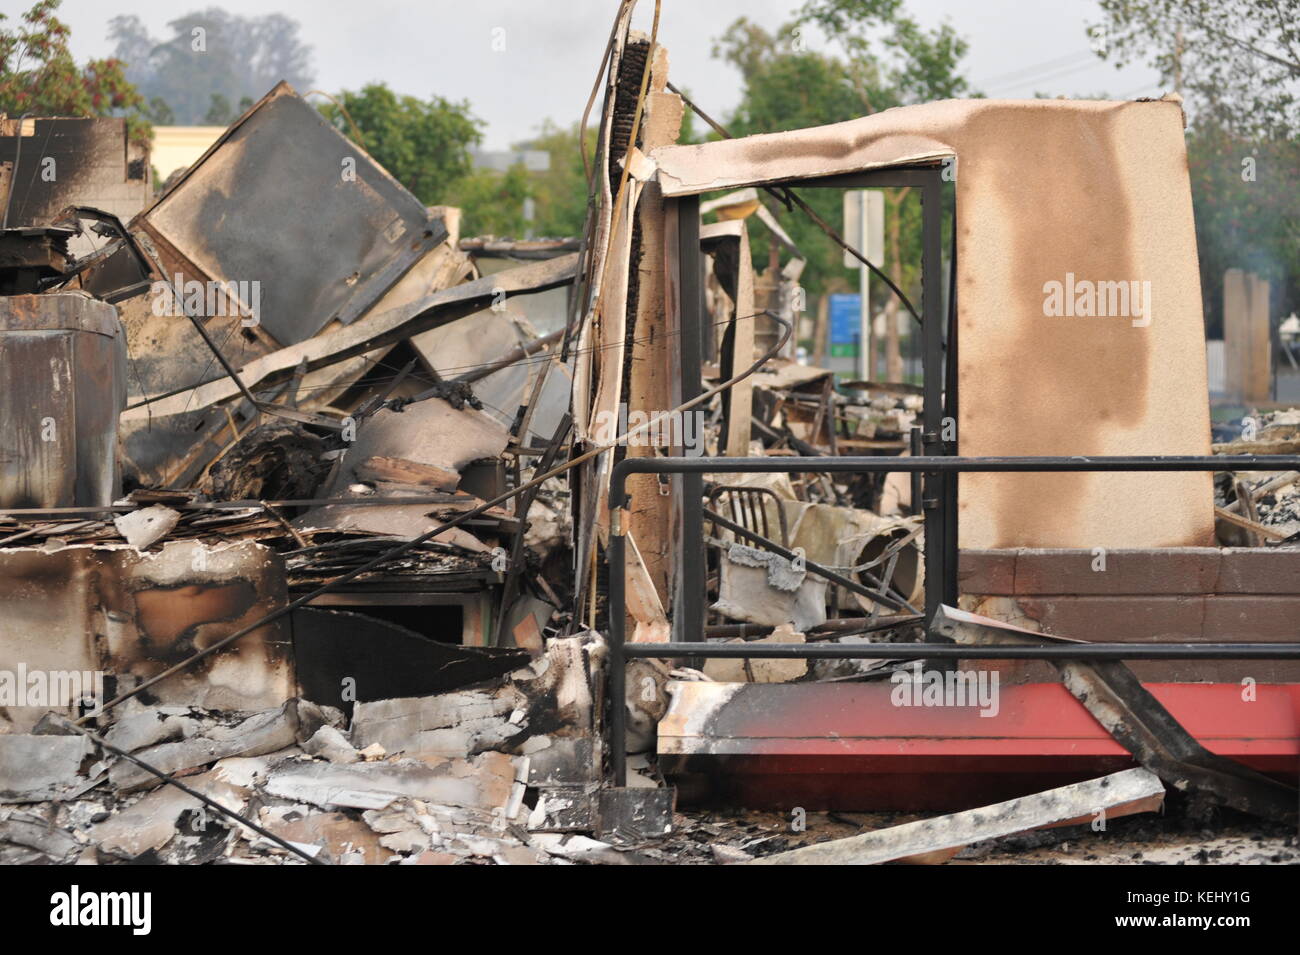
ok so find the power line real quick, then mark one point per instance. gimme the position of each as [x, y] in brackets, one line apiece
[1046, 77]
[1051, 64]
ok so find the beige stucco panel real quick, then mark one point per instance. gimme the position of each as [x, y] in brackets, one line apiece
[1044, 188]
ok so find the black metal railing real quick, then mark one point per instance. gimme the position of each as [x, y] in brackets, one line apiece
[933, 466]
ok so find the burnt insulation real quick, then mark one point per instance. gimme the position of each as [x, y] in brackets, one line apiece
[627, 89]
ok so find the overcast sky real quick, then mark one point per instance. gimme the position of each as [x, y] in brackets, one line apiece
[552, 47]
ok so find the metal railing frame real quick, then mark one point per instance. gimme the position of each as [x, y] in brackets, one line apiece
[620, 651]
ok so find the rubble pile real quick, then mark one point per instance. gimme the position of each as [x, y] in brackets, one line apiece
[1259, 508]
[319, 548]
[501, 772]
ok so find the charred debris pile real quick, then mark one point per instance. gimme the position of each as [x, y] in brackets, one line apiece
[276, 516]
[304, 505]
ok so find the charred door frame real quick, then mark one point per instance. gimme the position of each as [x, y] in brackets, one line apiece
[939, 494]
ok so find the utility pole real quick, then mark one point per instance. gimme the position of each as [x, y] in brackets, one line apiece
[864, 225]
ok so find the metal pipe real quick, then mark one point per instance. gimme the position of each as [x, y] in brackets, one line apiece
[617, 695]
[936, 484]
[955, 651]
[939, 464]
[847, 625]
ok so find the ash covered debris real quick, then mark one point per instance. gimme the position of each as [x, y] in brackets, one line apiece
[474, 776]
[323, 507]
[229, 505]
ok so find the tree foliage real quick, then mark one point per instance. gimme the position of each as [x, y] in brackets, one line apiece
[1247, 211]
[875, 58]
[912, 64]
[1237, 61]
[211, 57]
[561, 191]
[491, 202]
[40, 77]
[424, 144]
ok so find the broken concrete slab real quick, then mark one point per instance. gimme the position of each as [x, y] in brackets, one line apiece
[450, 724]
[577, 848]
[148, 727]
[347, 841]
[481, 783]
[256, 735]
[330, 744]
[151, 822]
[29, 832]
[38, 768]
[147, 526]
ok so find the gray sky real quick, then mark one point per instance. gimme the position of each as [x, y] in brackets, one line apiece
[552, 47]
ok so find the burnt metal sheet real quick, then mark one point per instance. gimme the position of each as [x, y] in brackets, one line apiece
[384, 660]
[62, 360]
[857, 746]
[285, 200]
[371, 332]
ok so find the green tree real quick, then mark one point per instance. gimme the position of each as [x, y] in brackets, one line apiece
[1247, 211]
[159, 113]
[424, 144]
[218, 111]
[788, 87]
[1236, 60]
[491, 202]
[40, 77]
[561, 191]
[911, 64]
[878, 58]
[212, 53]
[1237, 63]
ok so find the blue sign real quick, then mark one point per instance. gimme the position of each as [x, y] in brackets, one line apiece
[846, 318]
